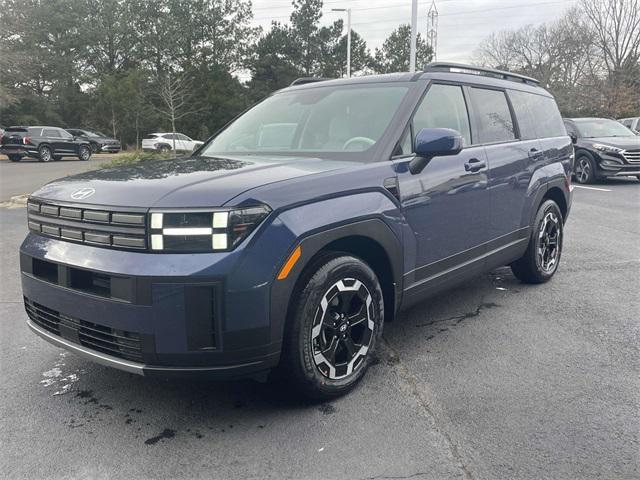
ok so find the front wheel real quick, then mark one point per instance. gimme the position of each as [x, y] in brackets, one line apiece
[15, 158]
[337, 320]
[84, 153]
[540, 261]
[585, 170]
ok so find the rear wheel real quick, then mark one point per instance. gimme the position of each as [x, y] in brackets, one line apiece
[540, 261]
[45, 154]
[337, 320]
[165, 149]
[15, 158]
[585, 170]
[84, 153]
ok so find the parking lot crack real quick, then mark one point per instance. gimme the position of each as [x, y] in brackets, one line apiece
[424, 402]
[460, 318]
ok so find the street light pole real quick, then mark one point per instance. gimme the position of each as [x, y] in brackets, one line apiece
[414, 32]
[348, 10]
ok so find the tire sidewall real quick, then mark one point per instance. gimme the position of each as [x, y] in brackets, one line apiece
[300, 325]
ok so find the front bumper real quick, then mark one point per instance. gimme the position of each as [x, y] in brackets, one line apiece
[616, 166]
[150, 314]
[110, 148]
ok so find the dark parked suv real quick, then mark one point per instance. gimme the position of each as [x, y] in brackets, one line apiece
[288, 239]
[99, 141]
[604, 148]
[43, 143]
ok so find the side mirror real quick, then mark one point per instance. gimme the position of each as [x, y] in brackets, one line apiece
[434, 142]
[574, 137]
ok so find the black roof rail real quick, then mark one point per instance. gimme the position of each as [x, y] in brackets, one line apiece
[303, 80]
[471, 69]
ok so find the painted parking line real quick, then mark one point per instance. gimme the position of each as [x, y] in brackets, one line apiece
[592, 188]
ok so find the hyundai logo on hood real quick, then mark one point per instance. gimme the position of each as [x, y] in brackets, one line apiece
[83, 193]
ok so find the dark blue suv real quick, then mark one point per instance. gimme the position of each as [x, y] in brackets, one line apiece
[290, 237]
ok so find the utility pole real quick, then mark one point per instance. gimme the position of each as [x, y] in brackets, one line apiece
[348, 10]
[432, 29]
[414, 34]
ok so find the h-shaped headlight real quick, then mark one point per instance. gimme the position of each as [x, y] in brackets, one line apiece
[205, 230]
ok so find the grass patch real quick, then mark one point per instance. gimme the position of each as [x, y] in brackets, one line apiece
[135, 157]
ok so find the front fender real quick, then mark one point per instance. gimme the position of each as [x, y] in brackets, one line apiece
[313, 226]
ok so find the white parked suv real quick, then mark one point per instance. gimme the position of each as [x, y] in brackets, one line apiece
[632, 124]
[165, 142]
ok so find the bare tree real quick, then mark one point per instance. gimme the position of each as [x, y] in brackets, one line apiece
[616, 25]
[174, 92]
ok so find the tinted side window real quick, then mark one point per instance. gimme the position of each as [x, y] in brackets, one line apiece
[51, 132]
[547, 117]
[443, 107]
[522, 107]
[493, 116]
[65, 134]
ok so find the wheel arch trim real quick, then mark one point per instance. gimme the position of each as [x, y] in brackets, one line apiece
[312, 244]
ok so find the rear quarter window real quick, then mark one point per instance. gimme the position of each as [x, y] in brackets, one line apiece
[493, 116]
[547, 117]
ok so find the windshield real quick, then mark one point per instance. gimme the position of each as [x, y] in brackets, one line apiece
[602, 128]
[340, 119]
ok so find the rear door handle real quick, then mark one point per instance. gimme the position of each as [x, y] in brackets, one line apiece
[473, 165]
[534, 153]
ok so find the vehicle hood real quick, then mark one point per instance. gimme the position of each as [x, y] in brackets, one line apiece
[182, 182]
[628, 143]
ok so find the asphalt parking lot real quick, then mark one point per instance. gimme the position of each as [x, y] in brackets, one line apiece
[494, 380]
[18, 178]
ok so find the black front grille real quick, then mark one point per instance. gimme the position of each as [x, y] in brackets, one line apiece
[124, 229]
[118, 343]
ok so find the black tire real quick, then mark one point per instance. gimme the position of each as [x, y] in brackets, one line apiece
[305, 339]
[84, 153]
[164, 149]
[585, 170]
[15, 158]
[540, 262]
[45, 154]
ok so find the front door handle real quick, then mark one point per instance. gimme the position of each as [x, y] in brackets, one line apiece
[473, 165]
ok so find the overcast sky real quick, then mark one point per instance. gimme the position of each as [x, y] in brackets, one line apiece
[462, 24]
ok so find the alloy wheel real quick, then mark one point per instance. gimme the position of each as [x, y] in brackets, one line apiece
[548, 245]
[343, 328]
[583, 170]
[85, 153]
[45, 154]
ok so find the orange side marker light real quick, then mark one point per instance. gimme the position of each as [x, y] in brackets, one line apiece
[291, 261]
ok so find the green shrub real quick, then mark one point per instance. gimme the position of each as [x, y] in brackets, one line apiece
[136, 157]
